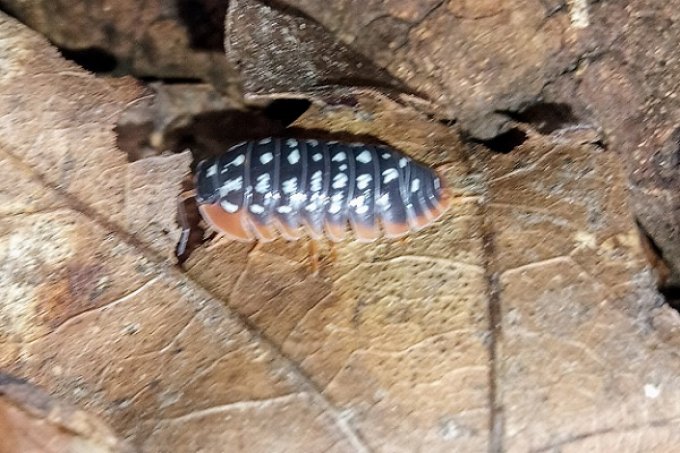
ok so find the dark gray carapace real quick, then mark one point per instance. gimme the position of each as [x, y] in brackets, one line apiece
[259, 189]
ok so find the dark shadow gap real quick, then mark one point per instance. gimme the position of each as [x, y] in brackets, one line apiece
[654, 255]
[150, 128]
[204, 21]
[506, 142]
[93, 59]
[170, 80]
[286, 110]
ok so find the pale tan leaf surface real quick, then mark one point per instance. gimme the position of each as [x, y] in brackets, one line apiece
[581, 362]
[543, 238]
[90, 308]
[394, 333]
[582, 349]
[147, 204]
[523, 320]
[33, 422]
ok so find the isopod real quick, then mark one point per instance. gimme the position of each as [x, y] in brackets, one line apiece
[260, 189]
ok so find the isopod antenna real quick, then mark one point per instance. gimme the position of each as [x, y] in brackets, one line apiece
[183, 221]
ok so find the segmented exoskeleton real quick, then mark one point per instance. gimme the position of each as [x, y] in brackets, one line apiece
[257, 188]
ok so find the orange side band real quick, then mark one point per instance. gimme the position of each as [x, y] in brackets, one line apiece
[231, 225]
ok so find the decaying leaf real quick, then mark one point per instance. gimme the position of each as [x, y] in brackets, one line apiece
[91, 311]
[443, 51]
[31, 421]
[154, 39]
[394, 333]
[525, 319]
[281, 52]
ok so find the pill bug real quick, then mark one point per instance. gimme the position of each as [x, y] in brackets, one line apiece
[260, 189]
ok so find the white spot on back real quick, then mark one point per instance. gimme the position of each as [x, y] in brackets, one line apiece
[289, 186]
[294, 156]
[231, 185]
[262, 184]
[317, 157]
[359, 204]
[384, 201]
[386, 155]
[315, 182]
[340, 181]
[266, 158]
[356, 201]
[364, 157]
[339, 157]
[342, 167]
[238, 161]
[256, 208]
[334, 208]
[229, 207]
[389, 175]
[415, 185]
[313, 142]
[298, 198]
[284, 209]
[264, 141]
[291, 142]
[402, 162]
[212, 170]
[363, 181]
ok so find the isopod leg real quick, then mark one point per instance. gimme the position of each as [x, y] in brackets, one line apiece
[186, 228]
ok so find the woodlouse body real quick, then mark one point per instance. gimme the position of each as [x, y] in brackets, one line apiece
[259, 187]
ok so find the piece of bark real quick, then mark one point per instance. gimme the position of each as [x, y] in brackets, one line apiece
[281, 53]
[628, 85]
[470, 60]
[155, 39]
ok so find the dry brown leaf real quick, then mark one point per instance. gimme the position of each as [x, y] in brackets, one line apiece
[32, 422]
[470, 58]
[90, 308]
[523, 320]
[283, 53]
[581, 364]
[394, 333]
[155, 38]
